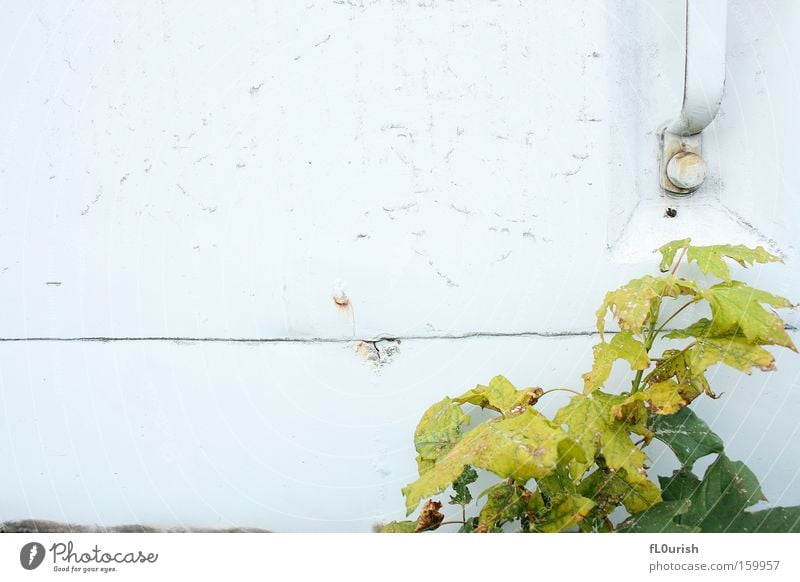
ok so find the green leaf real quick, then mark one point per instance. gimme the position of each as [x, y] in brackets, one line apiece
[523, 447]
[501, 395]
[728, 488]
[659, 519]
[632, 303]
[608, 489]
[668, 252]
[687, 435]
[470, 526]
[504, 502]
[463, 496]
[710, 258]
[557, 483]
[564, 514]
[400, 527]
[736, 306]
[732, 348]
[719, 502]
[738, 353]
[591, 423]
[776, 520]
[438, 431]
[621, 347]
[681, 485]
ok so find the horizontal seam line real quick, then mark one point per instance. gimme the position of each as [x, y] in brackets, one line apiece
[477, 334]
[297, 340]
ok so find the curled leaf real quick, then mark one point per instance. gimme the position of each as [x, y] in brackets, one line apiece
[429, 516]
[736, 308]
[501, 395]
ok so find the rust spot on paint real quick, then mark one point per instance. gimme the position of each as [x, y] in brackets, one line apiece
[342, 302]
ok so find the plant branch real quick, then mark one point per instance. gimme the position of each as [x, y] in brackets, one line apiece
[677, 264]
[649, 338]
[561, 390]
[671, 317]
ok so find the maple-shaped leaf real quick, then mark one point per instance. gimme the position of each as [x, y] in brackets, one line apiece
[711, 259]
[733, 349]
[687, 435]
[632, 303]
[438, 431]
[591, 423]
[524, 446]
[736, 352]
[501, 395]
[610, 488]
[736, 307]
[622, 346]
[720, 502]
[728, 488]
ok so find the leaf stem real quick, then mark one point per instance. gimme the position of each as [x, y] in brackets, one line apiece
[677, 264]
[671, 317]
[649, 338]
[561, 390]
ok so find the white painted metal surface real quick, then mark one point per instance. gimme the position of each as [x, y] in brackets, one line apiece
[171, 171]
[301, 436]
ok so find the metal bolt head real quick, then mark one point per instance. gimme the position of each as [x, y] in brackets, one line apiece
[687, 170]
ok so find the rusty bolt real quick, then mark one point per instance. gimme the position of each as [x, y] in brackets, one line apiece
[686, 170]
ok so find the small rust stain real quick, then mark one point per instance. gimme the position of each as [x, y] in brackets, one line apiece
[342, 302]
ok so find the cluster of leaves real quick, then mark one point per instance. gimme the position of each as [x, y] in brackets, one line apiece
[574, 471]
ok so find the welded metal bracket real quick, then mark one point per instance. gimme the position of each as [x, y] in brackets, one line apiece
[682, 168]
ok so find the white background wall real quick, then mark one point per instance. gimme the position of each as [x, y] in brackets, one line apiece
[185, 188]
